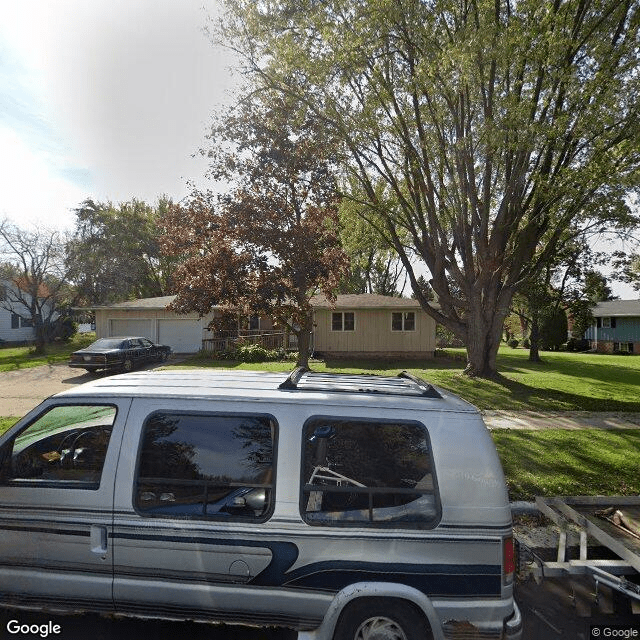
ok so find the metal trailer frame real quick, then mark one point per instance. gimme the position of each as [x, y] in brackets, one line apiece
[563, 511]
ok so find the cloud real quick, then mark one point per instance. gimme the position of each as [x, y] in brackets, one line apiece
[110, 95]
[32, 188]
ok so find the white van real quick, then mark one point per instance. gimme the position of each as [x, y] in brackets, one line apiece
[345, 507]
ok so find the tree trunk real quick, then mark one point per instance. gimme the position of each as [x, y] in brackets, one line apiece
[483, 339]
[40, 338]
[304, 342]
[534, 339]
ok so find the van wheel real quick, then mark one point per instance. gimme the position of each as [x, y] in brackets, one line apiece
[381, 619]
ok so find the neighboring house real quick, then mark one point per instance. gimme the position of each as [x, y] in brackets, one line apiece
[15, 324]
[616, 327]
[358, 325]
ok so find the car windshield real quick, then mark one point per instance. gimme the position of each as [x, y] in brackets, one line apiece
[107, 343]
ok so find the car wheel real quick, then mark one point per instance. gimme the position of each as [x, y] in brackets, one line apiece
[127, 365]
[381, 619]
[164, 356]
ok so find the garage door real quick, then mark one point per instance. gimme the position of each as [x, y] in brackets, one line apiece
[183, 336]
[131, 327]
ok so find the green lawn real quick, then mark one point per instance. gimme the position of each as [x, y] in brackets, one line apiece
[563, 382]
[12, 358]
[560, 462]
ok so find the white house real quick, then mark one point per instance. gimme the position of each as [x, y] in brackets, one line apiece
[15, 323]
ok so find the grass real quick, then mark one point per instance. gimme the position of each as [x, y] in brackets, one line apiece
[559, 462]
[562, 382]
[5, 423]
[12, 358]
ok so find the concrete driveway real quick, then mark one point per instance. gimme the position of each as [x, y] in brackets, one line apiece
[24, 389]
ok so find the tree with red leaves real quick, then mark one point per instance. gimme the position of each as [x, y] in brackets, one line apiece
[270, 243]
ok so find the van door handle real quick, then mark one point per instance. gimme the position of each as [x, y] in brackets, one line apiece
[98, 539]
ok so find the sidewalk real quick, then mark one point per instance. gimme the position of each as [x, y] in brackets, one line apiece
[537, 420]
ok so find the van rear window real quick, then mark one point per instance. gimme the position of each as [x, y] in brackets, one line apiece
[367, 472]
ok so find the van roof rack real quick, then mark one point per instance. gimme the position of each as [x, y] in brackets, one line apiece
[404, 384]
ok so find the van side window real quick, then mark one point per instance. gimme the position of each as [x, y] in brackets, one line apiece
[368, 472]
[198, 465]
[64, 447]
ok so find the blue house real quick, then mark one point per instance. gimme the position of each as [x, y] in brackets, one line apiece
[616, 327]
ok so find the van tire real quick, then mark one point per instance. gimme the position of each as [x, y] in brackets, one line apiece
[393, 619]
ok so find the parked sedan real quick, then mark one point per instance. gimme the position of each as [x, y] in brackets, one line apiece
[123, 354]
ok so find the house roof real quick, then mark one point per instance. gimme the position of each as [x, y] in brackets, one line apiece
[343, 301]
[141, 304]
[364, 301]
[617, 308]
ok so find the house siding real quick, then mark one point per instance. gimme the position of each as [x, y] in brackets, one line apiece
[626, 330]
[105, 316]
[373, 335]
[24, 334]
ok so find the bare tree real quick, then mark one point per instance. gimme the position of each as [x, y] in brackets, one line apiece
[33, 277]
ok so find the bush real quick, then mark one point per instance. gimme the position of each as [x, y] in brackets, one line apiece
[513, 343]
[578, 344]
[553, 328]
[526, 344]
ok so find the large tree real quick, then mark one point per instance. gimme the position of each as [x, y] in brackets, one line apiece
[271, 242]
[114, 252]
[488, 126]
[33, 283]
[374, 266]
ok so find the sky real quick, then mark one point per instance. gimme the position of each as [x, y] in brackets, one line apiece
[108, 99]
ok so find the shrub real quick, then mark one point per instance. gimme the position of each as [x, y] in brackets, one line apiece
[513, 343]
[553, 328]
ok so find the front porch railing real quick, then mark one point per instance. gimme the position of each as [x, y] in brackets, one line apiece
[229, 340]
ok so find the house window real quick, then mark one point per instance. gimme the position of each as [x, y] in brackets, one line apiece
[343, 321]
[254, 323]
[403, 321]
[606, 323]
[18, 322]
[626, 347]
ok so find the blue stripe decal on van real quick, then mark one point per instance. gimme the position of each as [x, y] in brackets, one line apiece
[432, 580]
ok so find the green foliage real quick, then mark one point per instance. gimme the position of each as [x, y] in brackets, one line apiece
[114, 252]
[475, 133]
[553, 328]
[513, 343]
[374, 267]
[6, 423]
